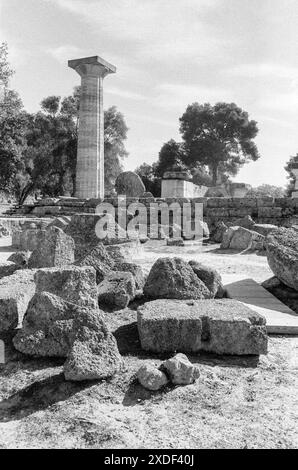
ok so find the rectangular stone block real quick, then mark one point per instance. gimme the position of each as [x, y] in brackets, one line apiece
[217, 326]
[270, 212]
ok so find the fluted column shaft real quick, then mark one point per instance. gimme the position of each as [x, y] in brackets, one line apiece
[90, 156]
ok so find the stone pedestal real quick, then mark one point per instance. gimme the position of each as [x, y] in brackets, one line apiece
[179, 184]
[90, 158]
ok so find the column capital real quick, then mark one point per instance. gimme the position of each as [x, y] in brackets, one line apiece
[92, 66]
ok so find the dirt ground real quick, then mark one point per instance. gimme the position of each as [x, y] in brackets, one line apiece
[236, 403]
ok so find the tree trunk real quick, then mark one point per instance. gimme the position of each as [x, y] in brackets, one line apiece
[74, 185]
[24, 193]
[214, 174]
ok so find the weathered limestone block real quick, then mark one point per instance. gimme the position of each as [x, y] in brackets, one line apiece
[264, 229]
[136, 271]
[71, 283]
[180, 370]
[7, 269]
[94, 353]
[16, 291]
[175, 242]
[282, 255]
[240, 212]
[47, 327]
[173, 278]
[218, 232]
[60, 222]
[210, 277]
[240, 238]
[227, 237]
[284, 293]
[246, 222]
[270, 212]
[30, 239]
[126, 251]
[20, 258]
[100, 260]
[246, 239]
[218, 326]
[57, 249]
[117, 290]
[219, 213]
[151, 377]
[130, 184]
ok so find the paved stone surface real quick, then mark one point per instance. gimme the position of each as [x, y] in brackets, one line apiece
[280, 319]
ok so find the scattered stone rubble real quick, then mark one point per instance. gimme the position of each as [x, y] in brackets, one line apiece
[54, 306]
[240, 238]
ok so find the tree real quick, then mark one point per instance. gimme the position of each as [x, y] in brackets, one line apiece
[266, 190]
[201, 178]
[290, 176]
[38, 151]
[219, 136]
[51, 105]
[115, 133]
[171, 155]
[13, 123]
[151, 181]
[6, 71]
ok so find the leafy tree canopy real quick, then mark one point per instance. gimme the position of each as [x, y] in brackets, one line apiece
[170, 156]
[219, 136]
[266, 190]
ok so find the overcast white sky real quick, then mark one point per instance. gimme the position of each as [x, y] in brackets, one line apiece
[169, 53]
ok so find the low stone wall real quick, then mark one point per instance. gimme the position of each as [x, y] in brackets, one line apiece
[277, 211]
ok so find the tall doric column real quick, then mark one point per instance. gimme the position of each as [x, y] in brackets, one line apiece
[90, 159]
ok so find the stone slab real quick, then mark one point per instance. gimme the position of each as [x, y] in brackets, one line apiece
[280, 319]
[219, 326]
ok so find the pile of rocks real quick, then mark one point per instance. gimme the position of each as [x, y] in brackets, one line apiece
[177, 370]
[57, 315]
[240, 238]
[244, 234]
[55, 297]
